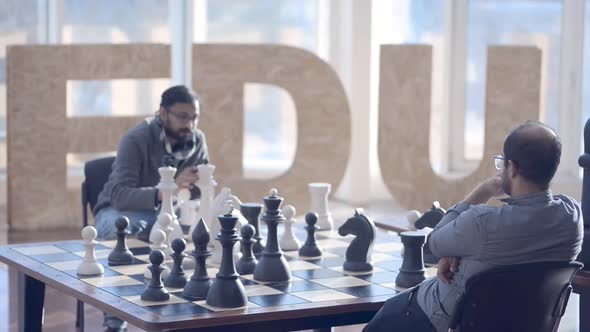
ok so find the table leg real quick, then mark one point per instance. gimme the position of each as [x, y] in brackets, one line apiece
[32, 295]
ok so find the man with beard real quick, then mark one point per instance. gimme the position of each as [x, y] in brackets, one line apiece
[534, 225]
[171, 138]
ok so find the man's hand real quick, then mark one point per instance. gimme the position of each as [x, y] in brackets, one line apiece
[447, 266]
[487, 189]
[187, 178]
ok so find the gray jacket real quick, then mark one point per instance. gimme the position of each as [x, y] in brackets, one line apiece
[530, 228]
[131, 185]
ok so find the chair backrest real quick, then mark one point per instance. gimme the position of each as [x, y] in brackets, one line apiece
[526, 297]
[96, 173]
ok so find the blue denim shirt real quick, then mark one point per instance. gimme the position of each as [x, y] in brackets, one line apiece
[529, 228]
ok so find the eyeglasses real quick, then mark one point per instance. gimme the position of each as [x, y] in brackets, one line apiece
[183, 117]
[499, 162]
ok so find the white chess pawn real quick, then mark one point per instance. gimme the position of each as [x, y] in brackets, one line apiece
[158, 240]
[288, 241]
[319, 204]
[89, 266]
[411, 218]
[165, 223]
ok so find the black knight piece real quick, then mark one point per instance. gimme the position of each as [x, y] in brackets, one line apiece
[251, 211]
[155, 291]
[430, 219]
[247, 263]
[358, 253]
[177, 278]
[412, 271]
[227, 291]
[121, 255]
[198, 286]
[310, 247]
[272, 266]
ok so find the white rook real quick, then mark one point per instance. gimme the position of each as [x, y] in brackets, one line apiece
[319, 204]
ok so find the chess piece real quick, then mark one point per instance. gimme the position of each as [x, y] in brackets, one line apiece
[165, 224]
[89, 266]
[199, 284]
[206, 184]
[221, 205]
[227, 290]
[246, 263]
[177, 278]
[427, 222]
[310, 247]
[121, 255]
[251, 211]
[188, 212]
[412, 271]
[158, 239]
[272, 266]
[411, 218]
[358, 253]
[288, 240]
[319, 204]
[155, 291]
[167, 186]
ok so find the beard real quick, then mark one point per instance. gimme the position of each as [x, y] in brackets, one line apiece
[180, 135]
[506, 183]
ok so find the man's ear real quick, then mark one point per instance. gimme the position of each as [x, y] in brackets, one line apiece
[162, 113]
[512, 169]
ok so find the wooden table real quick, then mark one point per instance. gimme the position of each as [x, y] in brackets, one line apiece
[34, 275]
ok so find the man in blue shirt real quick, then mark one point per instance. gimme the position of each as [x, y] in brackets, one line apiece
[534, 225]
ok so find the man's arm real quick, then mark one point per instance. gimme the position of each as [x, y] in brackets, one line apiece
[125, 194]
[460, 232]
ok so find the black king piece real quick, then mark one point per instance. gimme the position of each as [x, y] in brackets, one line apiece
[272, 266]
[227, 291]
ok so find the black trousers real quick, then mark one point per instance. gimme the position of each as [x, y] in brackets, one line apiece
[399, 314]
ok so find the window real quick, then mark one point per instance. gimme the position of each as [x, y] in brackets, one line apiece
[18, 25]
[508, 22]
[291, 22]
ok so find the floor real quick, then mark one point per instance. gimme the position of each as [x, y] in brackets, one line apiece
[60, 309]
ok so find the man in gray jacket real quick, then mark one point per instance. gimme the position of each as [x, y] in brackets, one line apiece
[171, 138]
[534, 225]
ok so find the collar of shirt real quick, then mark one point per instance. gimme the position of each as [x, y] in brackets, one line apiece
[540, 197]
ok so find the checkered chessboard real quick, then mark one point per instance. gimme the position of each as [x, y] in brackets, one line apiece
[313, 279]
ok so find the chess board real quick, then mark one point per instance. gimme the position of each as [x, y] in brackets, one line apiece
[316, 282]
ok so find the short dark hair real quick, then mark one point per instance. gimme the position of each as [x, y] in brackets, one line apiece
[535, 149]
[178, 94]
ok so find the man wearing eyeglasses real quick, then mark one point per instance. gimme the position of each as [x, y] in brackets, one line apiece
[171, 138]
[534, 225]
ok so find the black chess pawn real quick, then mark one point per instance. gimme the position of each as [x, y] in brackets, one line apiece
[177, 278]
[155, 291]
[272, 265]
[310, 247]
[412, 271]
[121, 255]
[251, 211]
[200, 283]
[246, 263]
[227, 291]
